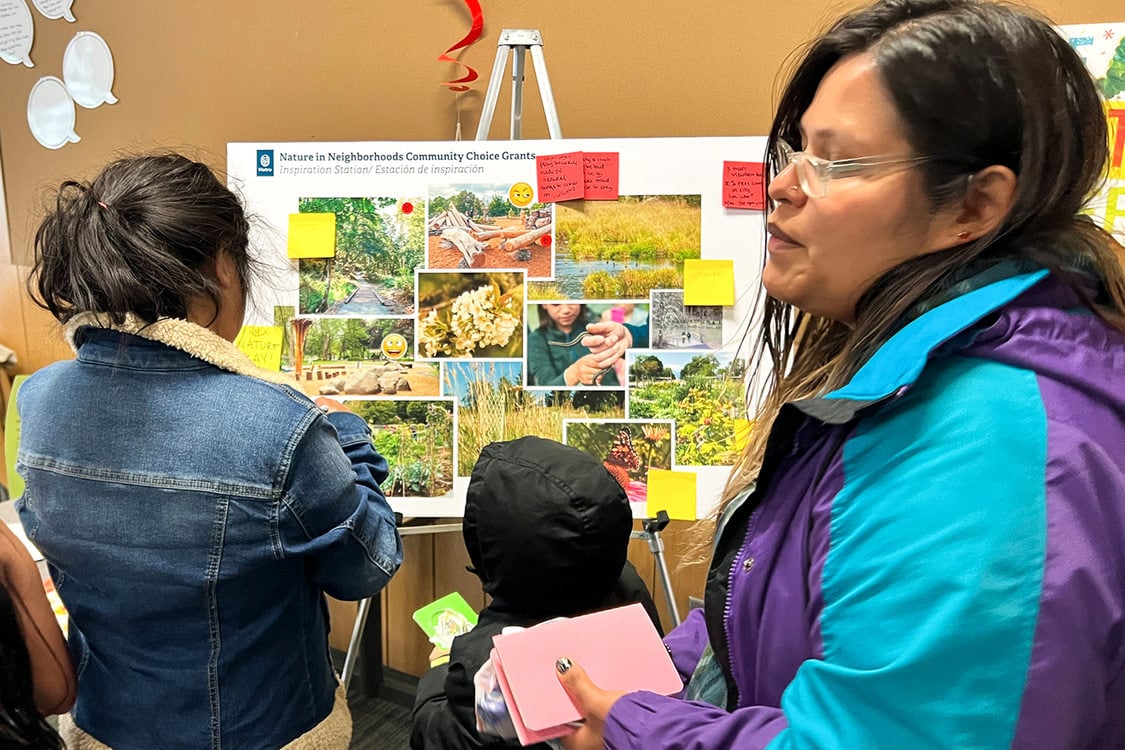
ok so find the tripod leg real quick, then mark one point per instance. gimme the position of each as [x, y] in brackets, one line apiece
[519, 62]
[353, 646]
[656, 546]
[493, 92]
[545, 92]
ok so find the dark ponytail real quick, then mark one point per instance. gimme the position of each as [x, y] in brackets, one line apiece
[141, 238]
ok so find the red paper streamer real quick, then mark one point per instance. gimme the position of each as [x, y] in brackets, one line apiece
[458, 84]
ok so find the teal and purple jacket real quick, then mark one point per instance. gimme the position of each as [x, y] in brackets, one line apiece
[934, 554]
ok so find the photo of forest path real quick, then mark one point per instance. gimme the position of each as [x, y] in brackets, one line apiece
[621, 249]
[477, 227]
[493, 406]
[379, 243]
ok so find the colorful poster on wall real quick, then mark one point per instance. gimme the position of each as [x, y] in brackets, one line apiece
[1102, 48]
[455, 306]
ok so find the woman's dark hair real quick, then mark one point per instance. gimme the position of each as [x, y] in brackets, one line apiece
[141, 238]
[546, 321]
[975, 84]
[21, 726]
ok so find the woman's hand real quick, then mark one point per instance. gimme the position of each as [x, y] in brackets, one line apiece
[330, 404]
[438, 656]
[592, 701]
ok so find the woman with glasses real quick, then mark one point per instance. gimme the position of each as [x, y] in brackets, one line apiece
[923, 546]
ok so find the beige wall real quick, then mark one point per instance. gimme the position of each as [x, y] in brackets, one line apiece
[193, 76]
[197, 75]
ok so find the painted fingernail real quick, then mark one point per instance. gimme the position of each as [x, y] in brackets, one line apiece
[563, 665]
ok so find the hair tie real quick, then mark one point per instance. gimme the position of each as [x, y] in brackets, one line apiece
[103, 205]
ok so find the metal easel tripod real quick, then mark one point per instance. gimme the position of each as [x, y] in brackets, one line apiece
[518, 42]
[651, 528]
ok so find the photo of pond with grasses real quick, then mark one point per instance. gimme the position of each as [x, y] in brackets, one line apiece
[621, 249]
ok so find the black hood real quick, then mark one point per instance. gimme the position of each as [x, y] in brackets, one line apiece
[546, 526]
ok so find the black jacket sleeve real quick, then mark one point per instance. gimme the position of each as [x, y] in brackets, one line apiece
[441, 717]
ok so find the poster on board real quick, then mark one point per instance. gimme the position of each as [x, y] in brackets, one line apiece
[441, 289]
[1102, 48]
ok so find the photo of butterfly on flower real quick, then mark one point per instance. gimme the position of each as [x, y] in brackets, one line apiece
[627, 449]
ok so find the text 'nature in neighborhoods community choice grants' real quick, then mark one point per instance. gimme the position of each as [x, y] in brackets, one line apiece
[396, 162]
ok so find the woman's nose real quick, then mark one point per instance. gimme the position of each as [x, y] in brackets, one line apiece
[785, 187]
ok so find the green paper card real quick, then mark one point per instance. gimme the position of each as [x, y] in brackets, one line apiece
[443, 620]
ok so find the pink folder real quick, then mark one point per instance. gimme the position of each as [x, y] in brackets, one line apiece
[619, 649]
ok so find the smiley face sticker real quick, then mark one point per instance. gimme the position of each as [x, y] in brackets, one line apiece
[394, 346]
[520, 195]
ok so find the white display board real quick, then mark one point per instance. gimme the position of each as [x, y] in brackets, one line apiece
[436, 356]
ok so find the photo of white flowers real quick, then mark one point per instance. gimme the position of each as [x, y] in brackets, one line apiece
[463, 314]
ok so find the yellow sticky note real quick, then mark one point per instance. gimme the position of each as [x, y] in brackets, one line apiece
[262, 344]
[312, 235]
[741, 433]
[708, 282]
[672, 492]
[12, 439]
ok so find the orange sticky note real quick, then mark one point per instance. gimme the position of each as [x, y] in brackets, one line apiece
[560, 177]
[741, 433]
[312, 235]
[262, 344]
[672, 492]
[708, 282]
[743, 185]
[602, 169]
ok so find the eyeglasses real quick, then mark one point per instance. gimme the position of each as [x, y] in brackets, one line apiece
[814, 173]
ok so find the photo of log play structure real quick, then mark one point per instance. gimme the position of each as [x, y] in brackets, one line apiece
[477, 226]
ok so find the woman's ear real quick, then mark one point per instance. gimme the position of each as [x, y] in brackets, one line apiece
[987, 201]
[226, 271]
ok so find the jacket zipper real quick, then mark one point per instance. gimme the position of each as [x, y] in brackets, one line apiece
[751, 525]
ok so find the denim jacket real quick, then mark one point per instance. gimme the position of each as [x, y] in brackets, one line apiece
[193, 515]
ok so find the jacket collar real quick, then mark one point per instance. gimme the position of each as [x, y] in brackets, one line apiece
[179, 334]
[898, 363]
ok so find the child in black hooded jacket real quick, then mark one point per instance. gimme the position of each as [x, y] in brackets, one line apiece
[547, 530]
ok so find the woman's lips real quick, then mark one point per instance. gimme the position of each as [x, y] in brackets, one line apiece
[779, 240]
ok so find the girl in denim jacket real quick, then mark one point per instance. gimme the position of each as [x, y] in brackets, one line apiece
[194, 509]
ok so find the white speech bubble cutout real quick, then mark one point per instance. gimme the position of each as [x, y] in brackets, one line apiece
[16, 32]
[50, 113]
[55, 9]
[88, 70]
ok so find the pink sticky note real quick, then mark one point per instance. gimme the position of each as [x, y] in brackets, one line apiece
[743, 185]
[602, 170]
[560, 177]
